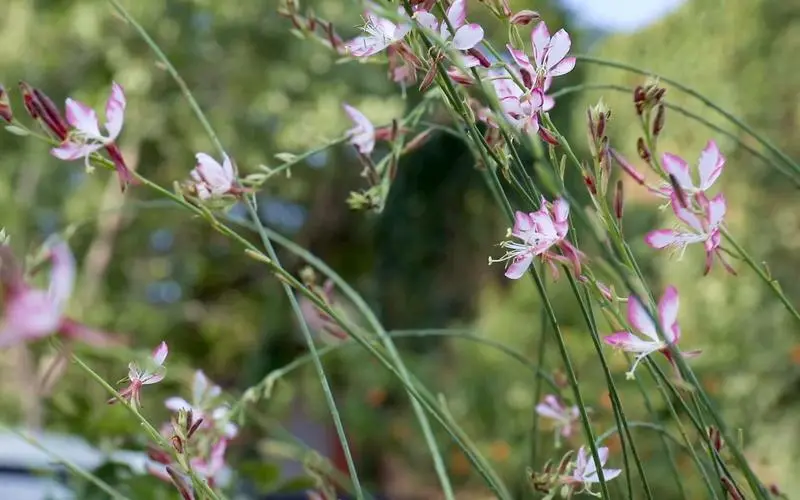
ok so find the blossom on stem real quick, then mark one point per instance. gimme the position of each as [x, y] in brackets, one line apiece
[210, 179]
[153, 373]
[209, 467]
[521, 108]
[30, 313]
[649, 341]
[709, 167]
[379, 34]
[538, 232]
[466, 36]
[362, 135]
[85, 137]
[697, 228]
[565, 418]
[549, 56]
[204, 405]
[585, 472]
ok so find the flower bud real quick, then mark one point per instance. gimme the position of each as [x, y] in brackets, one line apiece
[5, 106]
[619, 200]
[548, 136]
[196, 425]
[641, 148]
[565, 461]
[658, 123]
[525, 17]
[41, 108]
[180, 484]
[627, 167]
[731, 489]
[177, 443]
[590, 183]
[417, 141]
[477, 54]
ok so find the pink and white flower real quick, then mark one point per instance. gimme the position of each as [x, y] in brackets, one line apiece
[585, 471]
[549, 56]
[209, 467]
[538, 232]
[521, 108]
[362, 135]
[211, 179]
[85, 138]
[466, 36]
[565, 418]
[709, 167]
[153, 373]
[380, 34]
[30, 313]
[649, 341]
[205, 405]
[697, 228]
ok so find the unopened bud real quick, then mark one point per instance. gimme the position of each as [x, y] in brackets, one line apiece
[180, 484]
[5, 106]
[548, 136]
[427, 80]
[41, 108]
[417, 141]
[658, 123]
[590, 183]
[715, 438]
[525, 17]
[482, 59]
[565, 461]
[731, 489]
[641, 148]
[177, 443]
[639, 99]
[506, 8]
[626, 166]
[548, 467]
[619, 200]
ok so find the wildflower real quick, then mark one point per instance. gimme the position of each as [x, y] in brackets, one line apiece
[212, 179]
[466, 36]
[703, 228]
[362, 135]
[86, 138]
[380, 34]
[30, 313]
[709, 168]
[538, 232]
[564, 417]
[204, 405]
[641, 321]
[585, 471]
[549, 56]
[521, 108]
[152, 374]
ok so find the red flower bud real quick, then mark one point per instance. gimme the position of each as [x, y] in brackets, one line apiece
[627, 167]
[658, 124]
[619, 200]
[641, 148]
[5, 106]
[548, 136]
[525, 17]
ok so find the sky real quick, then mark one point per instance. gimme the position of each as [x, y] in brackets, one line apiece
[621, 15]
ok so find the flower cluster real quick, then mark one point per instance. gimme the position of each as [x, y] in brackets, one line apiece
[539, 234]
[574, 474]
[562, 416]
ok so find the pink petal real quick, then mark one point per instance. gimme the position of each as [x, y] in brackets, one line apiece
[710, 165]
[544, 224]
[547, 411]
[558, 49]
[177, 404]
[69, 151]
[469, 61]
[457, 14]
[78, 331]
[661, 238]
[548, 103]
[82, 117]
[115, 111]
[519, 266]
[621, 340]
[560, 209]
[540, 38]
[536, 99]
[522, 223]
[468, 36]
[200, 386]
[62, 275]
[562, 68]
[155, 378]
[692, 354]
[160, 354]
[640, 319]
[685, 215]
[716, 210]
[363, 134]
[678, 167]
[227, 167]
[427, 20]
[668, 312]
[365, 46]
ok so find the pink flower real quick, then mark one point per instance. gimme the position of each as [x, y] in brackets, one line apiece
[204, 405]
[380, 34]
[563, 417]
[709, 168]
[538, 232]
[152, 374]
[86, 138]
[585, 471]
[521, 108]
[641, 321]
[209, 467]
[697, 228]
[549, 56]
[30, 313]
[466, 36]
[212, 179]
[362, 135]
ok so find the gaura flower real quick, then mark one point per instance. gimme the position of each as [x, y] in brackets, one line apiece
[585, 471]
[565, 418]
[30, 313]
[538, 232]
[649, 341]
[549, 56]
[380, 34]
[85, 137]
[205, 405]
[212, 179]
[521, 108]
[466, 36]
[362, 135]
[697, 228]
[153, 373]
[709, 167]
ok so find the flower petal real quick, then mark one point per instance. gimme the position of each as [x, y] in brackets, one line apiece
[457, 14]
[83, 118]
[548, 411]
[558, 49]
[519, 266]
[560, 209]
[629, 342]
[62, 275]
[710, 165]
[69, 151]
[468, 36]
[563, 67]
[678, 167]
[685, 215]
[200, 386]
[668, 312]
[548, 104]
[115, 111]
[661, 238]
[177, 404]
[716, 210]
[427, 20]
[640, 319]
[522, 223]
[540, 39]
[160, 353]
[363, 134]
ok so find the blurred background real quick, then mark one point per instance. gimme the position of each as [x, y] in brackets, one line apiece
[150, 272]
